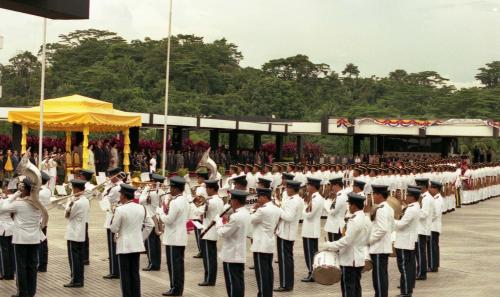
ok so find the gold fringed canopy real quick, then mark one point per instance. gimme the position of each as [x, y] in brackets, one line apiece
[77, 113]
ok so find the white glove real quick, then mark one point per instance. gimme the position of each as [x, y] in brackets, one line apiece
[325, 246]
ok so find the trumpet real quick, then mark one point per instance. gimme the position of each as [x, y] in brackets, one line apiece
[199, 200]
[98, 188]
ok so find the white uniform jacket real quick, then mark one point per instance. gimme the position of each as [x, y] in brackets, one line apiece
[6, 221]
[234, 247]
[264, 221]
[211, 212]
[336, 213]
[311, 224]
[132, 224]
[380, 235]
[406, 228]
[292, 212]
[352, 246]
[426, 212]
[78, 213]
[110, 199]
[27, 219]
[437, 215]
[175, 222]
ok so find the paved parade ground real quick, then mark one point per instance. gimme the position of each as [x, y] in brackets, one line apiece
[470, 255]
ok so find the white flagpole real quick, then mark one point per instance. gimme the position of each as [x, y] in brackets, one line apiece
[167, 78]
[42, 95]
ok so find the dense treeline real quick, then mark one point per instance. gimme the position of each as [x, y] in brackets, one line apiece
[207, 79]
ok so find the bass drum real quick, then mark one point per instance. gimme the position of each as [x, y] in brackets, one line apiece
[326, 268]
[368, 262]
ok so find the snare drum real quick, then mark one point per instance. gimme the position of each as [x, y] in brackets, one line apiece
[326, 268]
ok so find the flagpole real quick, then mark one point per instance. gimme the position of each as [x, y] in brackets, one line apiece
[42, 95]
[167, 78]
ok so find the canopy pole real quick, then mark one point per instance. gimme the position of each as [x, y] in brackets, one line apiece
[126, 150]
[42, 96]
[85, 148]
[24, 136]
[68, 153]
[167, 78]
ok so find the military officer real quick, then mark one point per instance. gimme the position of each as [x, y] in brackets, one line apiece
[7, 261]
[109, 202]
[76, 213]
[233, 230]
[424, 227]
[132, 224]
[380, 243]
[87, 176]
[26, 238]
[174, 215]
[212, 209]
[264, 220]
[311, 225]
[287, 233]
[152, 199]
[336, 209]
[406, 236]
[44, 197]
[351, 247]
[436, 226]
[200, 193]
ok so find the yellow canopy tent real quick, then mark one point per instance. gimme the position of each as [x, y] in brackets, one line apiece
[77, 113]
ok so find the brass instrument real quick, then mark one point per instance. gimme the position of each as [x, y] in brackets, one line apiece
[75, 198]
[277, 194]
[29, 170]
[212, 224]
[97, 188]
[308, 200]
[206, 161]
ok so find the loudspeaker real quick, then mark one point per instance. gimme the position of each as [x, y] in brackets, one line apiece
[422, 132]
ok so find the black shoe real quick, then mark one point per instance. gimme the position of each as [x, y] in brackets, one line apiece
[206, 284]
[433, 270]
[150, 269]
[281, 289]
[251, 267]
[307, 279]
[111, 276]
[73, 285]
[421, 278]
[8, 278]
[198, 256]
[86, 263]
[276, 261]
[171, 293]
[401, 295]
[43, 269]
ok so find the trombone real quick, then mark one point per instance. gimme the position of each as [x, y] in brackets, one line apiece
[100, 186]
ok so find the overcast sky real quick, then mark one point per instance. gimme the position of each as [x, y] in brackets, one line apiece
[453, 37]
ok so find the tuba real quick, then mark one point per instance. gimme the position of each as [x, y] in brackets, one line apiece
[29, 170]
[206, 161]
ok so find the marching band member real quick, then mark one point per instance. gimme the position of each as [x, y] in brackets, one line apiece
[7, 261]
[311, 225]
[152, 199]
[406, 236]
[336, 209]
[111, 199]
[87, 176]
[132, 224]
[380, 243]
[436, 226]
[174, 215]
[212, 209]
[44, 197]
[351, 247]
[264, 220]
[233, 230]
[26, 238]
[200, 193]
[286, 234]
[76, 212]
[423, 230]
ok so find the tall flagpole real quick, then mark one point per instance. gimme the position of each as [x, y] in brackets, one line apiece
[42, 95]
[167, 78]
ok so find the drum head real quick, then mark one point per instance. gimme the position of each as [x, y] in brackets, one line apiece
[368, 266]
[326, 275]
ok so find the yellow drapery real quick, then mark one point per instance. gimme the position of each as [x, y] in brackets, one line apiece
[85, 145]
[126, 150]
[69, 162]
[24, 141]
